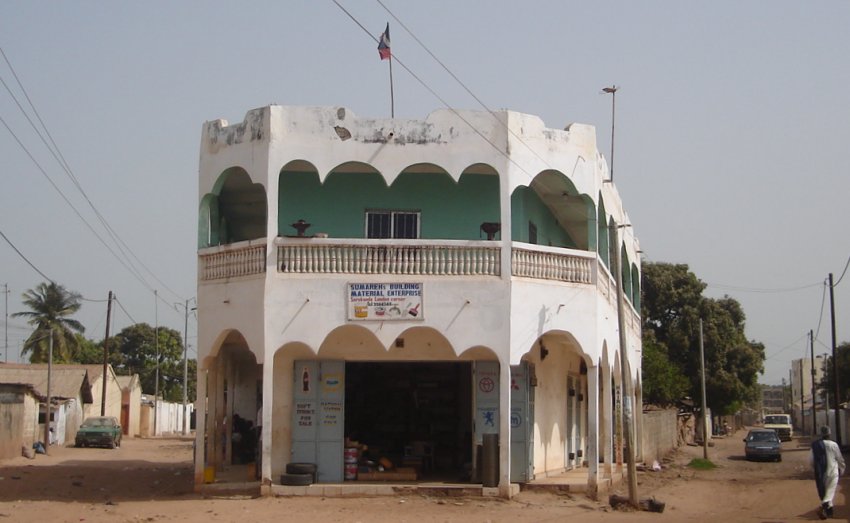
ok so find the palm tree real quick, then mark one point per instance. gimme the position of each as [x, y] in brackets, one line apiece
[51, 305]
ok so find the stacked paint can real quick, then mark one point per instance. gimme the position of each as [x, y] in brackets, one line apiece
[350, 455]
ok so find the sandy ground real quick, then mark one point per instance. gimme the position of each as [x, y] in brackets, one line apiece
[151, 481]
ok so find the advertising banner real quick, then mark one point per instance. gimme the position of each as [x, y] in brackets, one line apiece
[385, 301]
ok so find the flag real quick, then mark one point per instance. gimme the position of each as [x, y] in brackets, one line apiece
[384, 44]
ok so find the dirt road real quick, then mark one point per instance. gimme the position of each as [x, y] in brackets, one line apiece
[151, 480]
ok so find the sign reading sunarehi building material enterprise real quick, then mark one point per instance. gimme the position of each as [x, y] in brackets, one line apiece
[385, 301]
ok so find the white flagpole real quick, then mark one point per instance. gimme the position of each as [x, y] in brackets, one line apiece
[392, 98]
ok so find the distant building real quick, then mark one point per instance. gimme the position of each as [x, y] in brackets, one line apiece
[131, 403]
[801, 391]
[23, 396]
[76, 394]
[773, 399]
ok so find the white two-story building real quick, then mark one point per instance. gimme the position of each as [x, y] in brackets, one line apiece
[412, 285]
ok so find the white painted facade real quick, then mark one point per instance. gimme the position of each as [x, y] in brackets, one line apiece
[256, 319]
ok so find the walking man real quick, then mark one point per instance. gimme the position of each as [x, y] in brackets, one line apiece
[829, 465]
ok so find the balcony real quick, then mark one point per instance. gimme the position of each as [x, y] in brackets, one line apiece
[552, 263]
[412, 258]
[235, 260]
[401, 257]
[450, 258]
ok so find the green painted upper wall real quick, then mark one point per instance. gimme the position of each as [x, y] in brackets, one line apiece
[527, 207]
[449, 210]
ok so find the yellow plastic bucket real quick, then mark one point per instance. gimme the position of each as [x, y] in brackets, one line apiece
[209, 474]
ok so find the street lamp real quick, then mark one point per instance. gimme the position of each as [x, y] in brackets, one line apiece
[613, 92]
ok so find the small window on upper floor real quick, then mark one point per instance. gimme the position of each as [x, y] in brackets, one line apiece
[532, 233]
[392, 224]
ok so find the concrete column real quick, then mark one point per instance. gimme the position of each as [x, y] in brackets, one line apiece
[608, 415]
[200, 425]
[268, 406]
[211, 419]
[230, 372]
[505, 429]
[220, 429]
[593, 437]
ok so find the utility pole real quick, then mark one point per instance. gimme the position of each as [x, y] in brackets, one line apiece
[156, 343]
[702, 389]
[814, 389]
[826, 387]
[834, 361]
[6, 330]
[185, 366]
[802, 400]
[613, 92]
[106, 355]
[628, 408]
[49, 399]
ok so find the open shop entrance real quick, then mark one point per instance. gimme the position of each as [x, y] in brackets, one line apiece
[413, 417]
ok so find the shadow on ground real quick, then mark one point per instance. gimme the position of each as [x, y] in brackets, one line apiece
[97, 481]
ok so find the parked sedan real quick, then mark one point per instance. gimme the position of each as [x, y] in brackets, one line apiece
[100, 431]
[763, 444]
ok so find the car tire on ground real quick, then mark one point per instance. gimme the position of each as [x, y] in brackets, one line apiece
[301, 468]
[112, 443]
[293, 480]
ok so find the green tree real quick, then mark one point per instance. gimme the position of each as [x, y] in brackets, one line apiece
[51, 306]
[134, 351]
[672, 307]
[90, 352]
[663, 382]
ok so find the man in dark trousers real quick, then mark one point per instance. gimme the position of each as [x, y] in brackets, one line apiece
[829, 465]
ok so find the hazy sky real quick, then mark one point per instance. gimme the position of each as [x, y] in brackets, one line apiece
[732, 129]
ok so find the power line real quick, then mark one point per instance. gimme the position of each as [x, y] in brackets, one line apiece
[31, 264]
[820, 314]
[77, 212]
[842, 273]
[121, 305]
[783, 349]
[57, 155]
[467, 89]
[60, 159]
[437, 96]
[761, 289]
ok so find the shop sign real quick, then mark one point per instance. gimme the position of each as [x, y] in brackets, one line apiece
[385, 301]
[305, 412]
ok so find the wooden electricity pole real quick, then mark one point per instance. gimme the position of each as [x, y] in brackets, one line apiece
[814, 389]
[834, 362]
[49, 392]
[628, 407]
[702, 390]
[106, 355]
